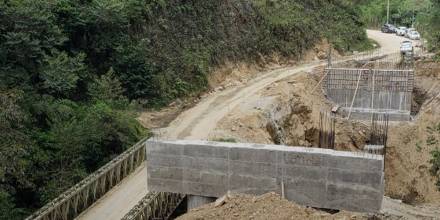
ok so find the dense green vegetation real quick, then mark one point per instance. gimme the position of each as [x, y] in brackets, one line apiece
[402, 12]
[432, 26]
[72, 72]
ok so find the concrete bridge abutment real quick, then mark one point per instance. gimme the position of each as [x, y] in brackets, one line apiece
[313, 177]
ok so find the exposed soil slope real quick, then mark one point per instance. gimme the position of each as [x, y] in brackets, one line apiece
[287, 112]
[407, 168]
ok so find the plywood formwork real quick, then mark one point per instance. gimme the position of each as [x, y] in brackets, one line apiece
[361, 92]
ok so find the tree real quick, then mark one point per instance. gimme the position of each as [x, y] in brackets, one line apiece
[107, 87]
[61, 73]
[28, 34]
[8, 211]
[13, 152]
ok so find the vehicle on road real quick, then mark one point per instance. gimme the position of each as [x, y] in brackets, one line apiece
[388, 28]
[393, 28]
[409, 31]
[401, 31]
[414, 35]
[406, 47]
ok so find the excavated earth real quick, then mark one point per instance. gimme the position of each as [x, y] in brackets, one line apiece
[408, 155]
[287, 112]
[267, 206]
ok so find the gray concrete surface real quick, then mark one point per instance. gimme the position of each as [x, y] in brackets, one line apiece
[308, 176]
[197, 201]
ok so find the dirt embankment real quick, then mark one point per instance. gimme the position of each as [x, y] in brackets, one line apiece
[230, 75]
[408, 154]
[268, 206]
[287, 112]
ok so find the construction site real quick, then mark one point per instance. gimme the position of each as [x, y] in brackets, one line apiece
[335, 137]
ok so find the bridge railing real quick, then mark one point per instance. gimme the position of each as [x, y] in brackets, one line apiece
[82, 195]
[155, 205]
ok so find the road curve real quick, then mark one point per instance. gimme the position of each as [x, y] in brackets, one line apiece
[197, 123]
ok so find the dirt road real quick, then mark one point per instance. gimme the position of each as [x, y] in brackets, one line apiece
[198, 122]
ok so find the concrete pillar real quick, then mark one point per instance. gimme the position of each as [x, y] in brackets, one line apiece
[197, 201]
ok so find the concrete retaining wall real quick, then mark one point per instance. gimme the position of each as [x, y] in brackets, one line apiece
[309, 176]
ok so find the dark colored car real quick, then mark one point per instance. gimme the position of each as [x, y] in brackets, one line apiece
[388, 28]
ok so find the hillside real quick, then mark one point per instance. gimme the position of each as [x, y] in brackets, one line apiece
[73, 73]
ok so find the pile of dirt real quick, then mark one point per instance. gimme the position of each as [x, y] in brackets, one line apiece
[267, 206]
[407, 175]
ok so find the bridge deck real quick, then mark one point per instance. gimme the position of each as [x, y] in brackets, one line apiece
[121, 199]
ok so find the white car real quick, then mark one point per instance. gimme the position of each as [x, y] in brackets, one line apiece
[414, 35]
[408, 31]
[406, 47]
[401, 31]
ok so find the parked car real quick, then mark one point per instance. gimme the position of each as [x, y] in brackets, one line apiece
[388, 28]
[414, 35]
[409, 31]
[393, 28]
[401, 31]
[406, 47]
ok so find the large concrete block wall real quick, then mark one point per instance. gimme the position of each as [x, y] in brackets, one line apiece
[309, 176]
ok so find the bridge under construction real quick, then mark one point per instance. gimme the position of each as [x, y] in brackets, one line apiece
[361, 90]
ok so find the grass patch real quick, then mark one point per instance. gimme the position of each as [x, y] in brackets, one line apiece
[370, 44]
